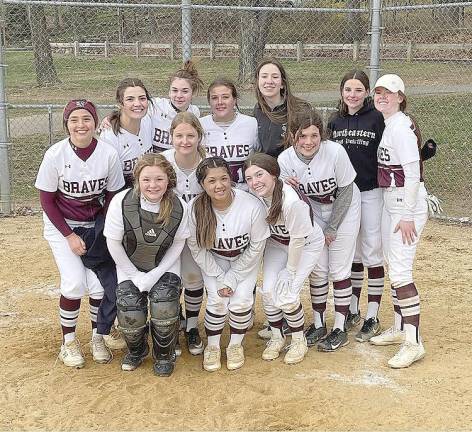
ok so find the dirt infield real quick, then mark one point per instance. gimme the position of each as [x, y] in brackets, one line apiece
[352, 389]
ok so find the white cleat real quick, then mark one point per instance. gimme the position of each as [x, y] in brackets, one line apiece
[212, 358]
[408, 354]
[234, 356]
[100, 352]
[71, 354]
[391, 336]
[273, 349]
[297, 351]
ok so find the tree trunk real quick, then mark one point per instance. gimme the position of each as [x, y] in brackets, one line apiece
[46, 74]
[254, 27]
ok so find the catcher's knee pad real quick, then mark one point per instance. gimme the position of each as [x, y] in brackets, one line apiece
[131, 306]
[164, 299]
[164, 304]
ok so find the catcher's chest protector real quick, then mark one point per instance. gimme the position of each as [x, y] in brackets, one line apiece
[146, 241]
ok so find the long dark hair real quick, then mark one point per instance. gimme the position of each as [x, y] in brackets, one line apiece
[353, 74]
[293, 104]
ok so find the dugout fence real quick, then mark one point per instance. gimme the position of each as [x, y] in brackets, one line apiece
[52, 51]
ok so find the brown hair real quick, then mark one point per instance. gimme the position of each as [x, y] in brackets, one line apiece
[305, 119]
[269, 164]
[353, 74]
[115, 116]
[293, 104]
[152, 160]
[414, 126]
[205, 218]
[188, 72]
[224, 82]
[186, 117]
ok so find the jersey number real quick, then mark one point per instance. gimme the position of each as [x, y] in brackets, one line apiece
[383, 154]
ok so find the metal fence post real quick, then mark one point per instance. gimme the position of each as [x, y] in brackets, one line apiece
[375, 36]
[5, 196]
[186, 30]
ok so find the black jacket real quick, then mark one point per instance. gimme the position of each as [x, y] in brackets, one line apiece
[271, 135]
[360, 135]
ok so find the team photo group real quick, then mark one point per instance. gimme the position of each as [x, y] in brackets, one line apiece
[153, 211]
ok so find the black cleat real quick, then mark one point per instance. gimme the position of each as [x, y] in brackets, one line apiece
[335, 340]
[313, 334]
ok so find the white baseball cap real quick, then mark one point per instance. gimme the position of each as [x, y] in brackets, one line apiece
[391, 82]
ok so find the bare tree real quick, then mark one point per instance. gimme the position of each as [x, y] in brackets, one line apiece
[46, 74]
[254, 28]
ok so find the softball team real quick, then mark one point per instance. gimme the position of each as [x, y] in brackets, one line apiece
[322, 211]
[358, 127]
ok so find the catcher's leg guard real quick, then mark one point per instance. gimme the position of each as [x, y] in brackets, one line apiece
[132, 318]
[164, 304]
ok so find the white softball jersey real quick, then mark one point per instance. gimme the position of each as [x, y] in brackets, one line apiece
[187, 184]
[329, 169]
[234, 144]
[162, 113]
[80, 185]
[129, 146]
[398, 147]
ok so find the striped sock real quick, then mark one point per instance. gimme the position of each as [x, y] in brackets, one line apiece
[409, 302]
[94, 304]
[193, 301]
[69, 310]
[319, 296]
[342, 299]
[357, 277]
[295, 319]
[374, 290]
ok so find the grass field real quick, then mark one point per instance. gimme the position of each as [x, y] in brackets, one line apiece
[444, 117]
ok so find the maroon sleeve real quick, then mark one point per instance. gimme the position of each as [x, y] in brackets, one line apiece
[108, 196]
[48, 203]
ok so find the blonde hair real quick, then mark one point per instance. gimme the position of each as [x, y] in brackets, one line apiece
[157, 160]
[186, 117]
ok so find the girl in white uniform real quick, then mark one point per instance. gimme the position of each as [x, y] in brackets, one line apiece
[183, 84]
[321, 169]
[76, 176]
[290, 255]
[228, 133]
[146, 228]
[130, 131]
[405, 213]
[227, 238]
[188, 152]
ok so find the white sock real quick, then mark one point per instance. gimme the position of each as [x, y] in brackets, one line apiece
[397, 321]
[69, 337]
[354, 305]
[372, 310]
[94, 332]
[236, 339]
[192, 322]
[410, 333]
[276, 333]
[214, 340]
[318, 319]
[339, 320]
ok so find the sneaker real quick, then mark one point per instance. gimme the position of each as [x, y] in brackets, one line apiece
[234, 356]
[352, 320]
[100, 352]
[194, 341]
[130, 362]
[71, 354]
[212, 358]
[314, 335]
[114, 340]
[297, 351]
[391, 336]
[409, 353]
[370, 328]
[335, 340]
[265, 333]
[273, 348]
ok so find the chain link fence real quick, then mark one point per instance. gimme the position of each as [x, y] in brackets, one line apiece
[58, 50]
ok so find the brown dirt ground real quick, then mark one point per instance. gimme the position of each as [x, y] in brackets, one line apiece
[352, 389]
